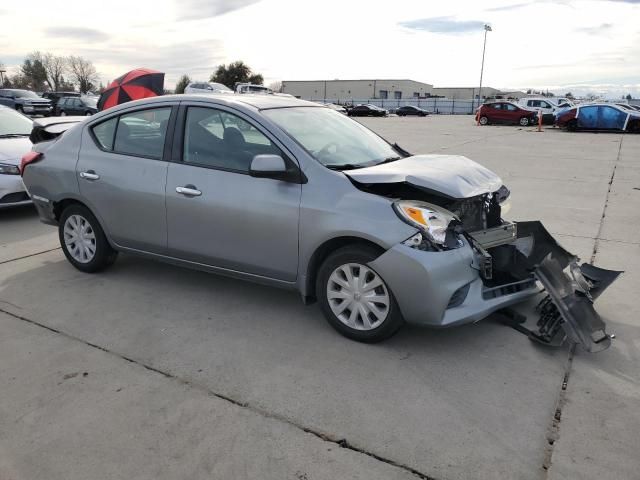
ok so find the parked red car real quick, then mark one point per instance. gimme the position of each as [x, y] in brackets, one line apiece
[505, 112]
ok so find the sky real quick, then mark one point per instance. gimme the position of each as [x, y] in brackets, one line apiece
[582, 46]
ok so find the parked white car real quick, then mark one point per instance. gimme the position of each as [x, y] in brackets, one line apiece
[207, 87]
[14, 143]
[537, 104]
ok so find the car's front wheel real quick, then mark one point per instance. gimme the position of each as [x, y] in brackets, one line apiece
[83, 241]
[62, 113]
[354, 298]
[484, 120]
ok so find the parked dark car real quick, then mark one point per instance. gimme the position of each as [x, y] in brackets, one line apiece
[411, 110]
[77, 106]
[505, 112]
[25, 101]
[367, 111]
[600, 117]
[55, 97]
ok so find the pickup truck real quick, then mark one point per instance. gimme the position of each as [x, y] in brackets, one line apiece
[25, 101]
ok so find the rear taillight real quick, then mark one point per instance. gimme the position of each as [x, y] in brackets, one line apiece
[29, 158]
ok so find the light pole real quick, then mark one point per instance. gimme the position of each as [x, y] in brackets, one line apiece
[487, 28]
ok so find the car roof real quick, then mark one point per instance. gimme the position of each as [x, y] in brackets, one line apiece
[260, 102]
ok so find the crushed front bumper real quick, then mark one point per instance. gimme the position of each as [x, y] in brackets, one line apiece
[443, 289]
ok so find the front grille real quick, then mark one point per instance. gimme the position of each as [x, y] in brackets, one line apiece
[508, 289]
[15, 197]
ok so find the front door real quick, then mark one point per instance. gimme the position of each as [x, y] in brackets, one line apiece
[122, 174]
[219, 215]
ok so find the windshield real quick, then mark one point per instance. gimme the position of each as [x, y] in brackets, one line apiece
[219, 86]
[331, 138]
[25, 94]
[90, 101]
[14, 124]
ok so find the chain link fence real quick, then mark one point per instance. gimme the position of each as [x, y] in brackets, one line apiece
[444, 106]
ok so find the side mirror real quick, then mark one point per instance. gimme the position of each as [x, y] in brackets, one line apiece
[273, 166]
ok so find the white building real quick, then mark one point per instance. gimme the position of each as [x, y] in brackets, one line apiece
[346, 90]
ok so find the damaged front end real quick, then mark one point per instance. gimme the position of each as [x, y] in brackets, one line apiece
[567, 309]
[453, 198]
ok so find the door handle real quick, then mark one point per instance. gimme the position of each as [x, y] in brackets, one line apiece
[89, 175]
[189, 191]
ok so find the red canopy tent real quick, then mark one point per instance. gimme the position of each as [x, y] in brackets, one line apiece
[133, 85]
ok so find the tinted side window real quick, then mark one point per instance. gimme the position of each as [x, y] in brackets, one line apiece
[215, 138]
[143, 132]
[511, 108]
[103, 132]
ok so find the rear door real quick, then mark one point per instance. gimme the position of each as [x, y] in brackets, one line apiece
[611, 118]
[217, 213]
[122, 172]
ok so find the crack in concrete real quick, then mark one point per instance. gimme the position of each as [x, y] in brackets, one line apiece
[30, 255]
[606, 204]
[553, 432]
[327, 437]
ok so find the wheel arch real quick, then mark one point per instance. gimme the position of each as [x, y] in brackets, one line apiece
[320, 255]
[60, 205]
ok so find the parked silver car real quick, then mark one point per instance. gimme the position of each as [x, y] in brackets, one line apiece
[293, 194]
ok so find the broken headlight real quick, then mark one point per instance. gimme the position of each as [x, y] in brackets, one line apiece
[435, 223]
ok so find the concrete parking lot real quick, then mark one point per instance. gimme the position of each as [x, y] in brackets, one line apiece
[149, 371]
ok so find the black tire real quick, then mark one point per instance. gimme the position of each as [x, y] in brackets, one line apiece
[524, 122]
[484, 120]
[634, 127]
[360, 254]
[19, 108]
[572, 125]
[104, 255]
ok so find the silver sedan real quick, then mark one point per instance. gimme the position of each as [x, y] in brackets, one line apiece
[293, 194]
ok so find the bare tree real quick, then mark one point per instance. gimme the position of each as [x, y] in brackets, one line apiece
[276, 86]
[83, 72]
[56, 68]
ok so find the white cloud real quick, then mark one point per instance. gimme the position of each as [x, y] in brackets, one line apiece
[535, 44]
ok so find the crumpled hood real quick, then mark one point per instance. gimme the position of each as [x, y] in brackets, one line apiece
[12, 149]
[453, 176]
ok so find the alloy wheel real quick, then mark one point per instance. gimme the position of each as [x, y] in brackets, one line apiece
[358, 296]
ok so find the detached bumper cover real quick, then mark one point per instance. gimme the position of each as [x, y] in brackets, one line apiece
[567, 311]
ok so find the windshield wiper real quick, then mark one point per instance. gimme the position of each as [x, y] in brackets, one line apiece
[388, 160]
[343, 166]
[12, 135]
[400, 150]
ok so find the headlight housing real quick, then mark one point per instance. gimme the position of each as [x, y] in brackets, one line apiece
[6, 169]
[433, 222]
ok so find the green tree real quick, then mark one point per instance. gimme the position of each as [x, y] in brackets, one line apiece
[33, 71]
[235, 72]
[629, 97]
[182, 83]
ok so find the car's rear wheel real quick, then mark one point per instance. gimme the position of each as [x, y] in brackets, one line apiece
[634, 127]
[524, 121]
[62, 113]
[88, 114]
[572, 125]
[83, 241]
[484, 120]
[354, 298]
